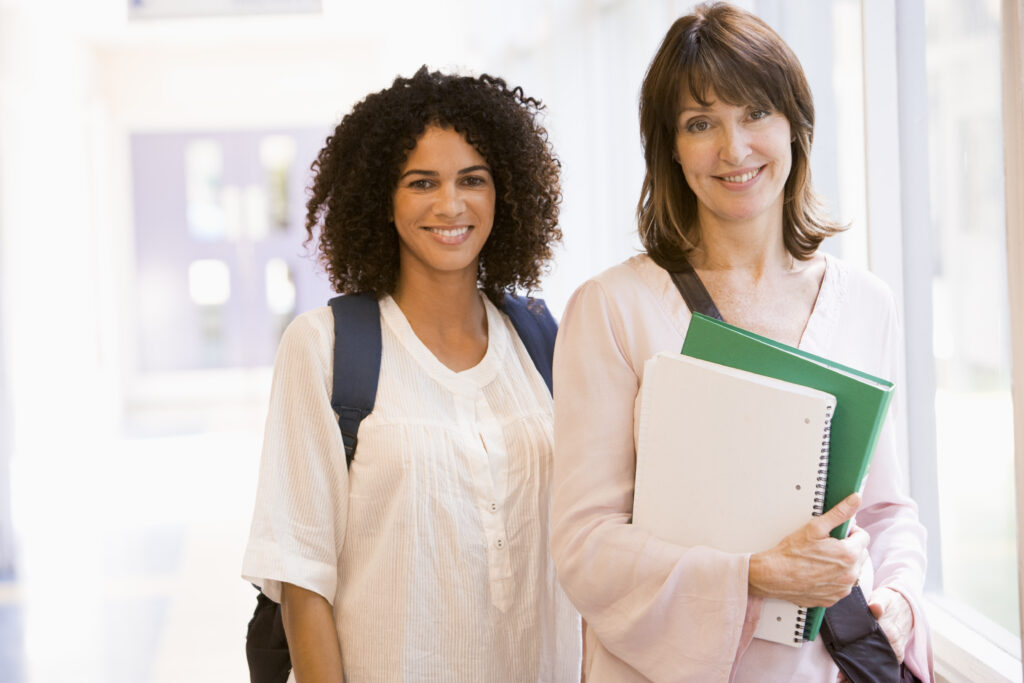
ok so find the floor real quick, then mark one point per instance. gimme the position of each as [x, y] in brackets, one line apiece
[127, 562]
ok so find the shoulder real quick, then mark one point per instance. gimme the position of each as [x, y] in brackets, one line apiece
[865, 306]
[634, 290]
[622, 283]
[314, 326]
[309, 337]
[861, 287]
[860, 317]
[632, 274]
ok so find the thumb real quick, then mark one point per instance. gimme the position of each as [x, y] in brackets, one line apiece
[843, 510]
[876, 609]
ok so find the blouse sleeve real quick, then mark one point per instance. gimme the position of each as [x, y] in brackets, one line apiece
[661, 608]
[298, 526]
[889, 515]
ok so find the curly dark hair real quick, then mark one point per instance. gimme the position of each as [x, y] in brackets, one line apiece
[356, 173]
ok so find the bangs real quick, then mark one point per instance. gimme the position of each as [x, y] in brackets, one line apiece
[734, 77]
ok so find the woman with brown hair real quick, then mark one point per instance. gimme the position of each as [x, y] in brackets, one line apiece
[727, 123]
[426, 559]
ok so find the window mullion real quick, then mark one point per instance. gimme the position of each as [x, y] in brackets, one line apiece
[1013, 135]
[918, 266]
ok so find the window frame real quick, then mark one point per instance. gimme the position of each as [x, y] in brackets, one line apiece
[1013, 137]
[966, 645]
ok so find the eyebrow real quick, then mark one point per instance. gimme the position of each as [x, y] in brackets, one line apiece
[434, 174]
[699, 109]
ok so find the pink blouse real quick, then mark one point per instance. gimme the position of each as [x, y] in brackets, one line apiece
[661, 612]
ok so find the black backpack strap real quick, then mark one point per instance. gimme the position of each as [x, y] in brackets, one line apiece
[357, 349]
[536, 327]
[694, 293]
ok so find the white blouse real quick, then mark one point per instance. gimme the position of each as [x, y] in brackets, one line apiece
[433, 547]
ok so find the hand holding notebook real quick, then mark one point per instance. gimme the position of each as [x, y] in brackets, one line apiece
[809, 567]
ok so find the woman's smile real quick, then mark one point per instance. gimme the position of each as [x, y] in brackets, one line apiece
[741, 178]
[451, 234]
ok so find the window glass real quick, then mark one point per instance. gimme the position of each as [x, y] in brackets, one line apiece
[971, 338]
[218, 235]
[204, 174]
[277, 155]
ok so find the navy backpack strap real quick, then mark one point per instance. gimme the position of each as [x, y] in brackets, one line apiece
[536, 327]
[357, 348]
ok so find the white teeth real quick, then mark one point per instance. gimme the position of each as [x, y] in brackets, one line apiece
[450, 232]
[741, 178]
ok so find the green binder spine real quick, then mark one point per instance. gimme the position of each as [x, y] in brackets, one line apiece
[861, 403]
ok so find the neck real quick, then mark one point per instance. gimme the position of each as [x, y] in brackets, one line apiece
[753, 246]
[444, 303]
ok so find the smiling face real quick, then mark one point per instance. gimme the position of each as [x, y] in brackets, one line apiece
[736, 159]
[443, 206]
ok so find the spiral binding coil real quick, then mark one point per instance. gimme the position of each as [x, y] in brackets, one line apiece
[801, 622]
[819, 485]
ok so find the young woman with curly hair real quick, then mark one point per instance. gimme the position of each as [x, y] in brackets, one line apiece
[426, 559]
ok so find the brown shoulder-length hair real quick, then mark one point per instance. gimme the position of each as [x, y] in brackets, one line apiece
[727, 50]
[357, 170]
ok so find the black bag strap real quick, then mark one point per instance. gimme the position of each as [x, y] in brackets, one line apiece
[266, 646]
[857, 643]
[357, 348]
[537, 328]
[850, 632]
[694, 293]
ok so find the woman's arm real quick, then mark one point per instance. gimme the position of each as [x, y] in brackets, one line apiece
[312, 639]
[301, 506]
[658, 607]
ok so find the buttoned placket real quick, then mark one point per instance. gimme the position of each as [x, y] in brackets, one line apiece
[476, 421]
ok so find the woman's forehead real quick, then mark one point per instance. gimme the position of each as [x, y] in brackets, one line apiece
[704, 90]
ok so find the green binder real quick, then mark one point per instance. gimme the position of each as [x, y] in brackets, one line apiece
[861, 403]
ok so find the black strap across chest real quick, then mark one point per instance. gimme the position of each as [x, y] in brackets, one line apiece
[694, 293]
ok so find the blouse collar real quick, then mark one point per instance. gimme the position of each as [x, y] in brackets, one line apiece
[817, 336]
[468, 381]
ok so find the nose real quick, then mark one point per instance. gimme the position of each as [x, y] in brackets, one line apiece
[450, 202]
[735, 144]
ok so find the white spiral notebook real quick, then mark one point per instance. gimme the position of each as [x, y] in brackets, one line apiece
[731, 460]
